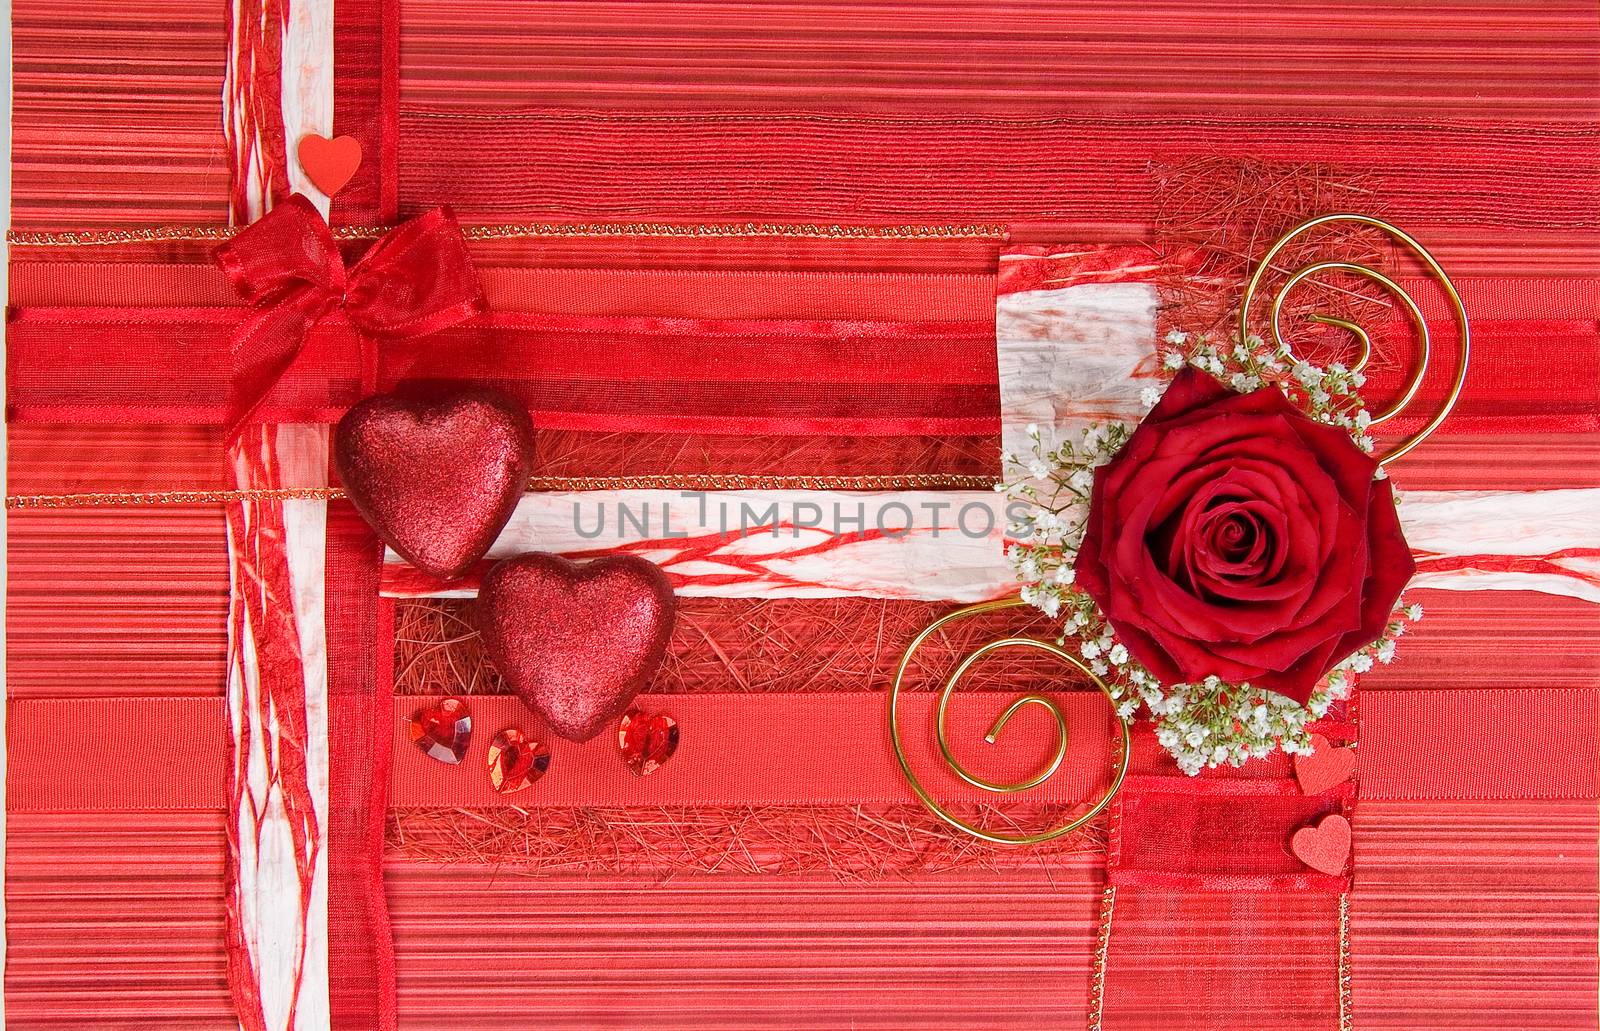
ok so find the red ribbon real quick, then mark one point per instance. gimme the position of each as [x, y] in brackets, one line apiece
[417, 280]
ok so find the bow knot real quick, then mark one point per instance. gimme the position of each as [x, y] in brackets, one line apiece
[417, 280]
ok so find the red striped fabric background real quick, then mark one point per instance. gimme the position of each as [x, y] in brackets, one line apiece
[1448, 930]
[118, 114]
[1478, 126]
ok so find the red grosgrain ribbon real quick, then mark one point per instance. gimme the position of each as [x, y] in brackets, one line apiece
[417, 280]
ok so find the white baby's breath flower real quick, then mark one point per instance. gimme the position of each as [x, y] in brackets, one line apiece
[1149, 397]
[1118, 654]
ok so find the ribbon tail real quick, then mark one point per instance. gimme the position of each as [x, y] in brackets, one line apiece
[263, 349]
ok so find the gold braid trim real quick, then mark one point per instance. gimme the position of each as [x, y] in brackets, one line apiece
[521, 230]
[663, 481]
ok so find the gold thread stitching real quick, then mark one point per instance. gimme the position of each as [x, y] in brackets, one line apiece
[1346, 1009]
[1102, 946]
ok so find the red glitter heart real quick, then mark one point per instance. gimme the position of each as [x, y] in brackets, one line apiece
[646, 741]
[329, 164]
[1325, 767]
[1325, 847]
[576, 642]
[436, 480]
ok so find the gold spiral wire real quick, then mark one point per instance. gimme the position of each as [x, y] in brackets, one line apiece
[1363, 341]
[1044, 774]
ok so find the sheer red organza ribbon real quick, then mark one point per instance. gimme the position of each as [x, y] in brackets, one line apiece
[417, 280]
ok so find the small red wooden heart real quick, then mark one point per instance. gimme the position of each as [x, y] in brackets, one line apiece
[1325, 767]
[1325, 847]
[329, 164]
[576, 642]
[436, 479]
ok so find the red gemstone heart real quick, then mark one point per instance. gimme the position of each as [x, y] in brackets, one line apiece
[1325, 767]
[436, 479]
[442, 730]
[1325, 847]
[515, 762]
[576, 642]
[646, 741]
[329, 164]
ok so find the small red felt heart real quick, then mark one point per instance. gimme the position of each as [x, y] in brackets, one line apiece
[436, 479]
[1325, 847]
[576, 642]
[646, 741]
[329, 164]
[1325, 767]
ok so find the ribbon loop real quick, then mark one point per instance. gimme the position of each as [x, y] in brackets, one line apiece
[412, 282]
[417, 280]
[290, 249]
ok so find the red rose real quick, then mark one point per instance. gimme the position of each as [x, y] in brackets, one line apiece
[1233, 536]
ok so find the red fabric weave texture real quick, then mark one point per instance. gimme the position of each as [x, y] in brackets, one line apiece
[361, 965]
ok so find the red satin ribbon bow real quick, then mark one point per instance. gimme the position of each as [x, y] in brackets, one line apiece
[418, 279]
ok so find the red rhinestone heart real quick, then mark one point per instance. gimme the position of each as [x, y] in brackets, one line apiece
[442, 729]
[646, 741]
[515, 762]
[436, 479]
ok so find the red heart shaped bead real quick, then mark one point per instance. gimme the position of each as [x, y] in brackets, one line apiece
[442, 730]
[646, 741]
[329, 164]
[1325, 847]
[436, 479]
[1325, 767]
[576, 642]
[515, 762]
